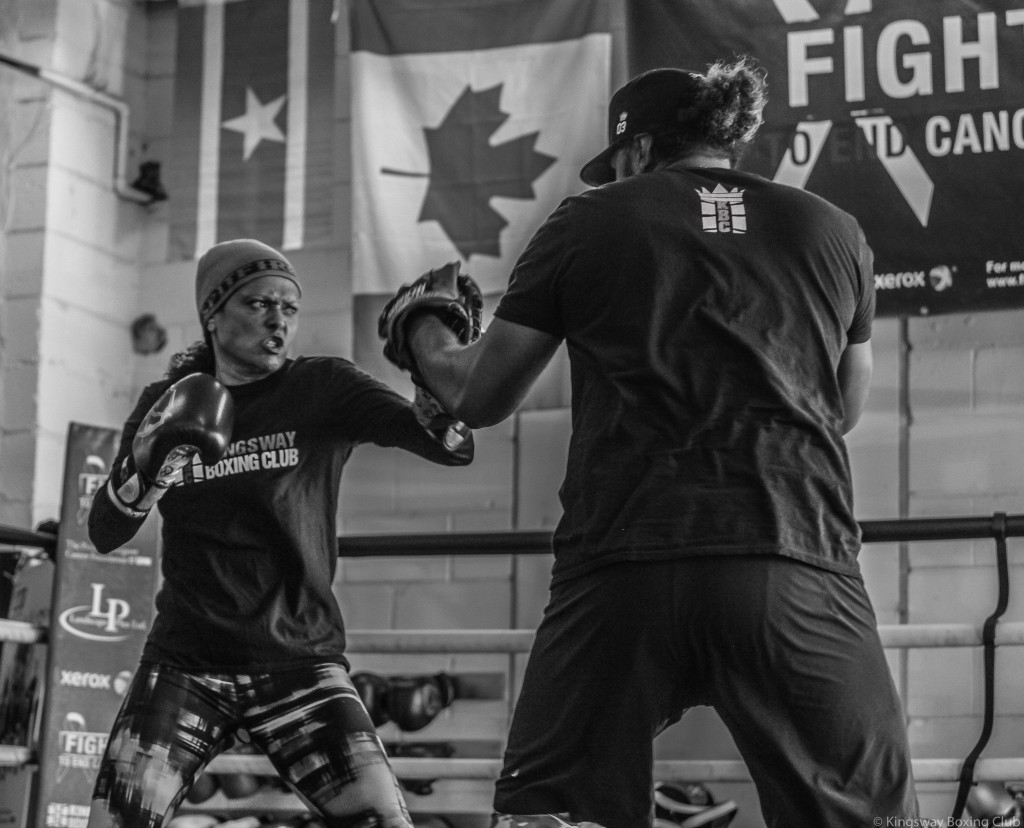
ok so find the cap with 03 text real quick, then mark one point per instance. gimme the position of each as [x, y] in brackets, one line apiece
[654, 101]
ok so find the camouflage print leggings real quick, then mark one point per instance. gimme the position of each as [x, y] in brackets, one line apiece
[308, 720]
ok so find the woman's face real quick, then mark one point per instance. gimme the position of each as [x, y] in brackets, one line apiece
[254, 331]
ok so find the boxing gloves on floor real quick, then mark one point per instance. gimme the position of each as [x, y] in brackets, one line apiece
[420, 750]
[192, 417]
[202, 789]
[690, 806]
[233, 785]
[411, 702]
[996, 803]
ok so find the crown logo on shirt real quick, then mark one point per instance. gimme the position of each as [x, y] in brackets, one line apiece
[722, 210]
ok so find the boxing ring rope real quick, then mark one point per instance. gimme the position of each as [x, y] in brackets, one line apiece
[405, 642]
[701, 770]
[990, 635]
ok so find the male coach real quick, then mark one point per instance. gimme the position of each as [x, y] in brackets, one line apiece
[718, 329]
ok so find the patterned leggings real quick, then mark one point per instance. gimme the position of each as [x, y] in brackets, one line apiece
[309, 721]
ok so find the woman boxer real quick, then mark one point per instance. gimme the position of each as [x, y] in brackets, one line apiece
[242, 449]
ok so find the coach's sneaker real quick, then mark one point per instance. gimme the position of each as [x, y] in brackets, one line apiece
[690, 806]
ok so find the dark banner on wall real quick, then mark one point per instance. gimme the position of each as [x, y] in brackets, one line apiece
[101, 612]
[909, 115]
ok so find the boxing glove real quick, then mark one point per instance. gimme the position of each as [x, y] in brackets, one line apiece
[420, 750]
[202, 789]
[415, 701]
[192, 417]
[690, 805]
[373, 691]
[239, 785]
[993, 804]
[440, 425]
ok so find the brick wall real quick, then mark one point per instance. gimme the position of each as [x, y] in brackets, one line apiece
[70, 254]
[966, 398]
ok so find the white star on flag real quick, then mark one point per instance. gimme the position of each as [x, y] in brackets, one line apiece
[257, 124]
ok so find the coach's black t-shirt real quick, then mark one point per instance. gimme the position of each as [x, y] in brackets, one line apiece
[249, 545]
[705, 312]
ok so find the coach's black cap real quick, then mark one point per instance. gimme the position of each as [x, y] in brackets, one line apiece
[653, 101]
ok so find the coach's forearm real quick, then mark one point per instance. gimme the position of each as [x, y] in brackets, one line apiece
[482, 383]
[445, 365]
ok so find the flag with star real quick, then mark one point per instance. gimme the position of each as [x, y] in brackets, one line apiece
[253, 144]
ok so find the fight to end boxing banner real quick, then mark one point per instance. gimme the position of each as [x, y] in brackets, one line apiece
[907, 114]
[102, 608]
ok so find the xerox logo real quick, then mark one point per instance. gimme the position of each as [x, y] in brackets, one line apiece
[940, 277]
[104, 619]
[96, 681]
[904, 279]
[75, 678]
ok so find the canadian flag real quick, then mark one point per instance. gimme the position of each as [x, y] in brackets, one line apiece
[470, 123]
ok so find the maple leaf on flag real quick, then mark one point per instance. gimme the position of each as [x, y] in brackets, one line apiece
[466, 172]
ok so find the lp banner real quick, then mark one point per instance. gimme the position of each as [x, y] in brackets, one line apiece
[907, 114]
[101, 612]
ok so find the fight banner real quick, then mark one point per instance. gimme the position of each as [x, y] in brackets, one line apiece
[101, 612]
[907, 114]
[253, 152]
[470, 122]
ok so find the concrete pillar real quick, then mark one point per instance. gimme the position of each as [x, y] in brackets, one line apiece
[69, 275]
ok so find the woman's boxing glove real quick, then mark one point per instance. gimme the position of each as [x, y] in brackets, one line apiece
[192, 417]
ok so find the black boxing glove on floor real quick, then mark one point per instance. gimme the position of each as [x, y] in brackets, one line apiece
[192, 417]
[373, 692]
[415, 701]
[690, 805]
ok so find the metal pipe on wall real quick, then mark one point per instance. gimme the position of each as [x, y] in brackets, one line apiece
[115, 105]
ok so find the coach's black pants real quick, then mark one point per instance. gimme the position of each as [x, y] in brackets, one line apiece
[787, 654]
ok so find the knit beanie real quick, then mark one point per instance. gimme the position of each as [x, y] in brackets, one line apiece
[225, 267]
